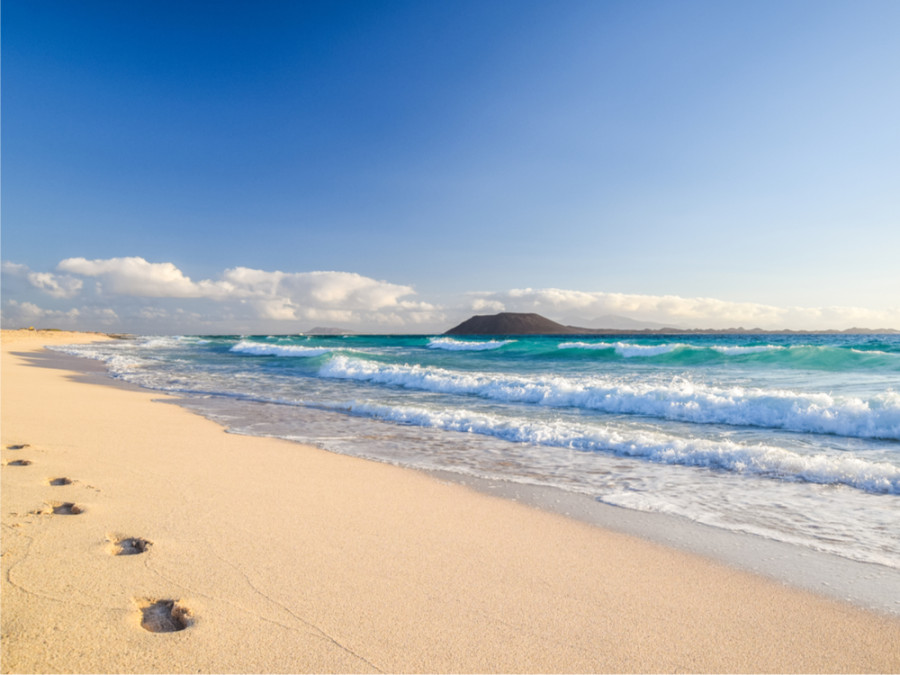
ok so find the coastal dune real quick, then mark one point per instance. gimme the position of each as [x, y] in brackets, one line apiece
[140, 537]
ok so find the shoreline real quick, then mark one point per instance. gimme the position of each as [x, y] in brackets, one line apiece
[294, 559]
[863, 583]
[867, 584]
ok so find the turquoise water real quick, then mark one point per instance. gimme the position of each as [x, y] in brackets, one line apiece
[791, 437]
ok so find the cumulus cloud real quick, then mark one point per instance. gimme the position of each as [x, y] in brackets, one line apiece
[55, 285]
[137, 277]
[58, 286]
[307, 290]
[27, 313]
[343, 297]
[14, 269]
[571, 306]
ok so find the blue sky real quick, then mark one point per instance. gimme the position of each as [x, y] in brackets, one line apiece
[202, 166]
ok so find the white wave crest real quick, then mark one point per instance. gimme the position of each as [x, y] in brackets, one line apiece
[875, 352]
[763, 460]
[162, 342]
[629, 350]
[466, 345]
[751, 349]
[259, 349]
[680, 399]
[119, 363]
[585, 345]
[625, 349]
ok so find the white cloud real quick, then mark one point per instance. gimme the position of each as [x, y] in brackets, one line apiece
[484, 305]
[153, 313]
[58, 286]
[317, 289]
[280, 309]
[55, 285]
[28, 313]
[14, 269]
[580, 308]
[137, 277]
[342, 297]
[105, 315]
[138, 295]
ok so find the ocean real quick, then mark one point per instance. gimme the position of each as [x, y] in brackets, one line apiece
[794, 438]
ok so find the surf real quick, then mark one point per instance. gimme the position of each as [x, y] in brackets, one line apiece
[678, 399]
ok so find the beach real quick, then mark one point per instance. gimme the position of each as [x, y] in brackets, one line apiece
[281, 557]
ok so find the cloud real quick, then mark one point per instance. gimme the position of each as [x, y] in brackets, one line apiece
[344, 290]
[59, 286]
[142, 296]
[580, 308]
[342, 297]
[137, 277]
[27, 313]
[14, 269]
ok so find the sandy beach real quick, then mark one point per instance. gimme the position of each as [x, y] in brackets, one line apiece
[270, 556]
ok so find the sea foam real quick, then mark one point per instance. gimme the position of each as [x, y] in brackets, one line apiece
[625, 349]
[679, 399]
[759, 459]
[259, 349]
[630, 350]
[466, 345]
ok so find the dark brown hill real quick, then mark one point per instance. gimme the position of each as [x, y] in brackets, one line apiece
[511, 323]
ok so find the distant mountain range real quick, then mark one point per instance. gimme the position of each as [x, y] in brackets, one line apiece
[513, 323]
[327, 330]
[617, 322]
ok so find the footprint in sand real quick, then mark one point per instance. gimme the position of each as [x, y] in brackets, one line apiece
[59, 509]
[66, 509]
[128, 545]
[19, 462]
[59, 481]
[163, 616]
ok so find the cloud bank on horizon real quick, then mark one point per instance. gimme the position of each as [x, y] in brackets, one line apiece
[131, 294]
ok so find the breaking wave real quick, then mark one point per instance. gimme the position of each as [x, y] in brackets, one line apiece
[466, 345]
[764, 460]
[259, 349]
[679, 399]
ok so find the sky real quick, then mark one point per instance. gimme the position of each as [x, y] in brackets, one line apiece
[225, 166]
